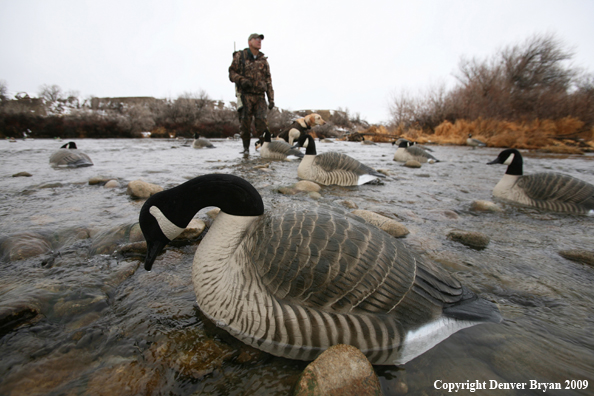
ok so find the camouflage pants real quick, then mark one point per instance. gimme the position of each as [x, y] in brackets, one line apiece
[254, 109]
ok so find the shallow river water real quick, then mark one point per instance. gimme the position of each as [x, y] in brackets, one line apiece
[90, 320]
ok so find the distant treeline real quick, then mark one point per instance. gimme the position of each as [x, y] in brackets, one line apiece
[521, 83]
[58, 114]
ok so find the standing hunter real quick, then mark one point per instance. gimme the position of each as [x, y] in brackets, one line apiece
[251, 74]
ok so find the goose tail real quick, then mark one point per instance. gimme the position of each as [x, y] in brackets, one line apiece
[473, 308]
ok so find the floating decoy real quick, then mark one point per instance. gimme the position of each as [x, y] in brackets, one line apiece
[474, 143]
[68, 156]
[332, 168]
[406, 152]
[546, 190]
[298, 280]
[199, 142]
[397, 143]
[277, 150]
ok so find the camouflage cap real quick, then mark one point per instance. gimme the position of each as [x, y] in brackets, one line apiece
[256, 35]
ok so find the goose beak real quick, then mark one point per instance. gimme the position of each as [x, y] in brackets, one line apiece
[152, 251]
[495, 161]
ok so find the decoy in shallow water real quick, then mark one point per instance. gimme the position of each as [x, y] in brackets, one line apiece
[199, 142]
[406, 152]
[298, 280]
[546, 190]
[333, 168]
[474, 143]
[278, 149]
[399, 140]
[68, 156]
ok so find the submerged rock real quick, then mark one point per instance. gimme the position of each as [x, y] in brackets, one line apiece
[306, 185]
[473, 239]
[189, 352]
[484, 206]
[578, 255]
[412, 164]
[287, 190]
[315, 195]
[99, 180]
[15, 315]
[348, 204]
[25, 245]
[340, 370]
[22, 174]
[141, 189]
[192, 231]
[112, 184]
[387, 224]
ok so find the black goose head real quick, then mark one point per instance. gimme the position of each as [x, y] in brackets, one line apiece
[267, 136]
[69, 145]
[405, 144]
[166, 214]
[513, 159]
[310, 147]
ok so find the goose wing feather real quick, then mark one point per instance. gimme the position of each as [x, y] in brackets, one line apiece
[70, 158]
[329, 260]
[417, 151]
[280, 146]
[551, 186]
[332, 161]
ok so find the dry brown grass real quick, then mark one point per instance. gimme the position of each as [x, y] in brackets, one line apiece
[555, 136]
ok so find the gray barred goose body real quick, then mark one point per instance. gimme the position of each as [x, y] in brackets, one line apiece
[547, 190]
[298, 280]
[68, 156]
[406, 152]
[333, 168]
[278, 149]
[200, 142]
[474, 143]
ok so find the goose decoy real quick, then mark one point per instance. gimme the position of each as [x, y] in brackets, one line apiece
[406, 151]
[397, 142]
[301, 279]
[277, 150]
[474, 143]
[332, 168]
[546, 190]
[199, 142]
[68, 156]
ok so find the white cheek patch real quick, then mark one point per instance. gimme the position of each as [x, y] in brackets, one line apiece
[170, 230]
[509, 159]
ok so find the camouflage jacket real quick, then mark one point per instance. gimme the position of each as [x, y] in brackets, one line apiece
[256, 69]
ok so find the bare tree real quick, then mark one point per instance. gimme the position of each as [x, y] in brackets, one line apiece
[3, 90]
[50, 93]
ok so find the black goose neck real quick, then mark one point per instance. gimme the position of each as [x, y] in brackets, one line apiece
[311, 146]
[516, 166]
[232, 194]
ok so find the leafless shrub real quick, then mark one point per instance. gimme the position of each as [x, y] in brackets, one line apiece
[527, 81]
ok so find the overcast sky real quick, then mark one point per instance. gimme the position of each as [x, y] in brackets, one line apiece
[322, 54]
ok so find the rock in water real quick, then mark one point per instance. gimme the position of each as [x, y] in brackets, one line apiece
[340, 370]
[142, 189]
